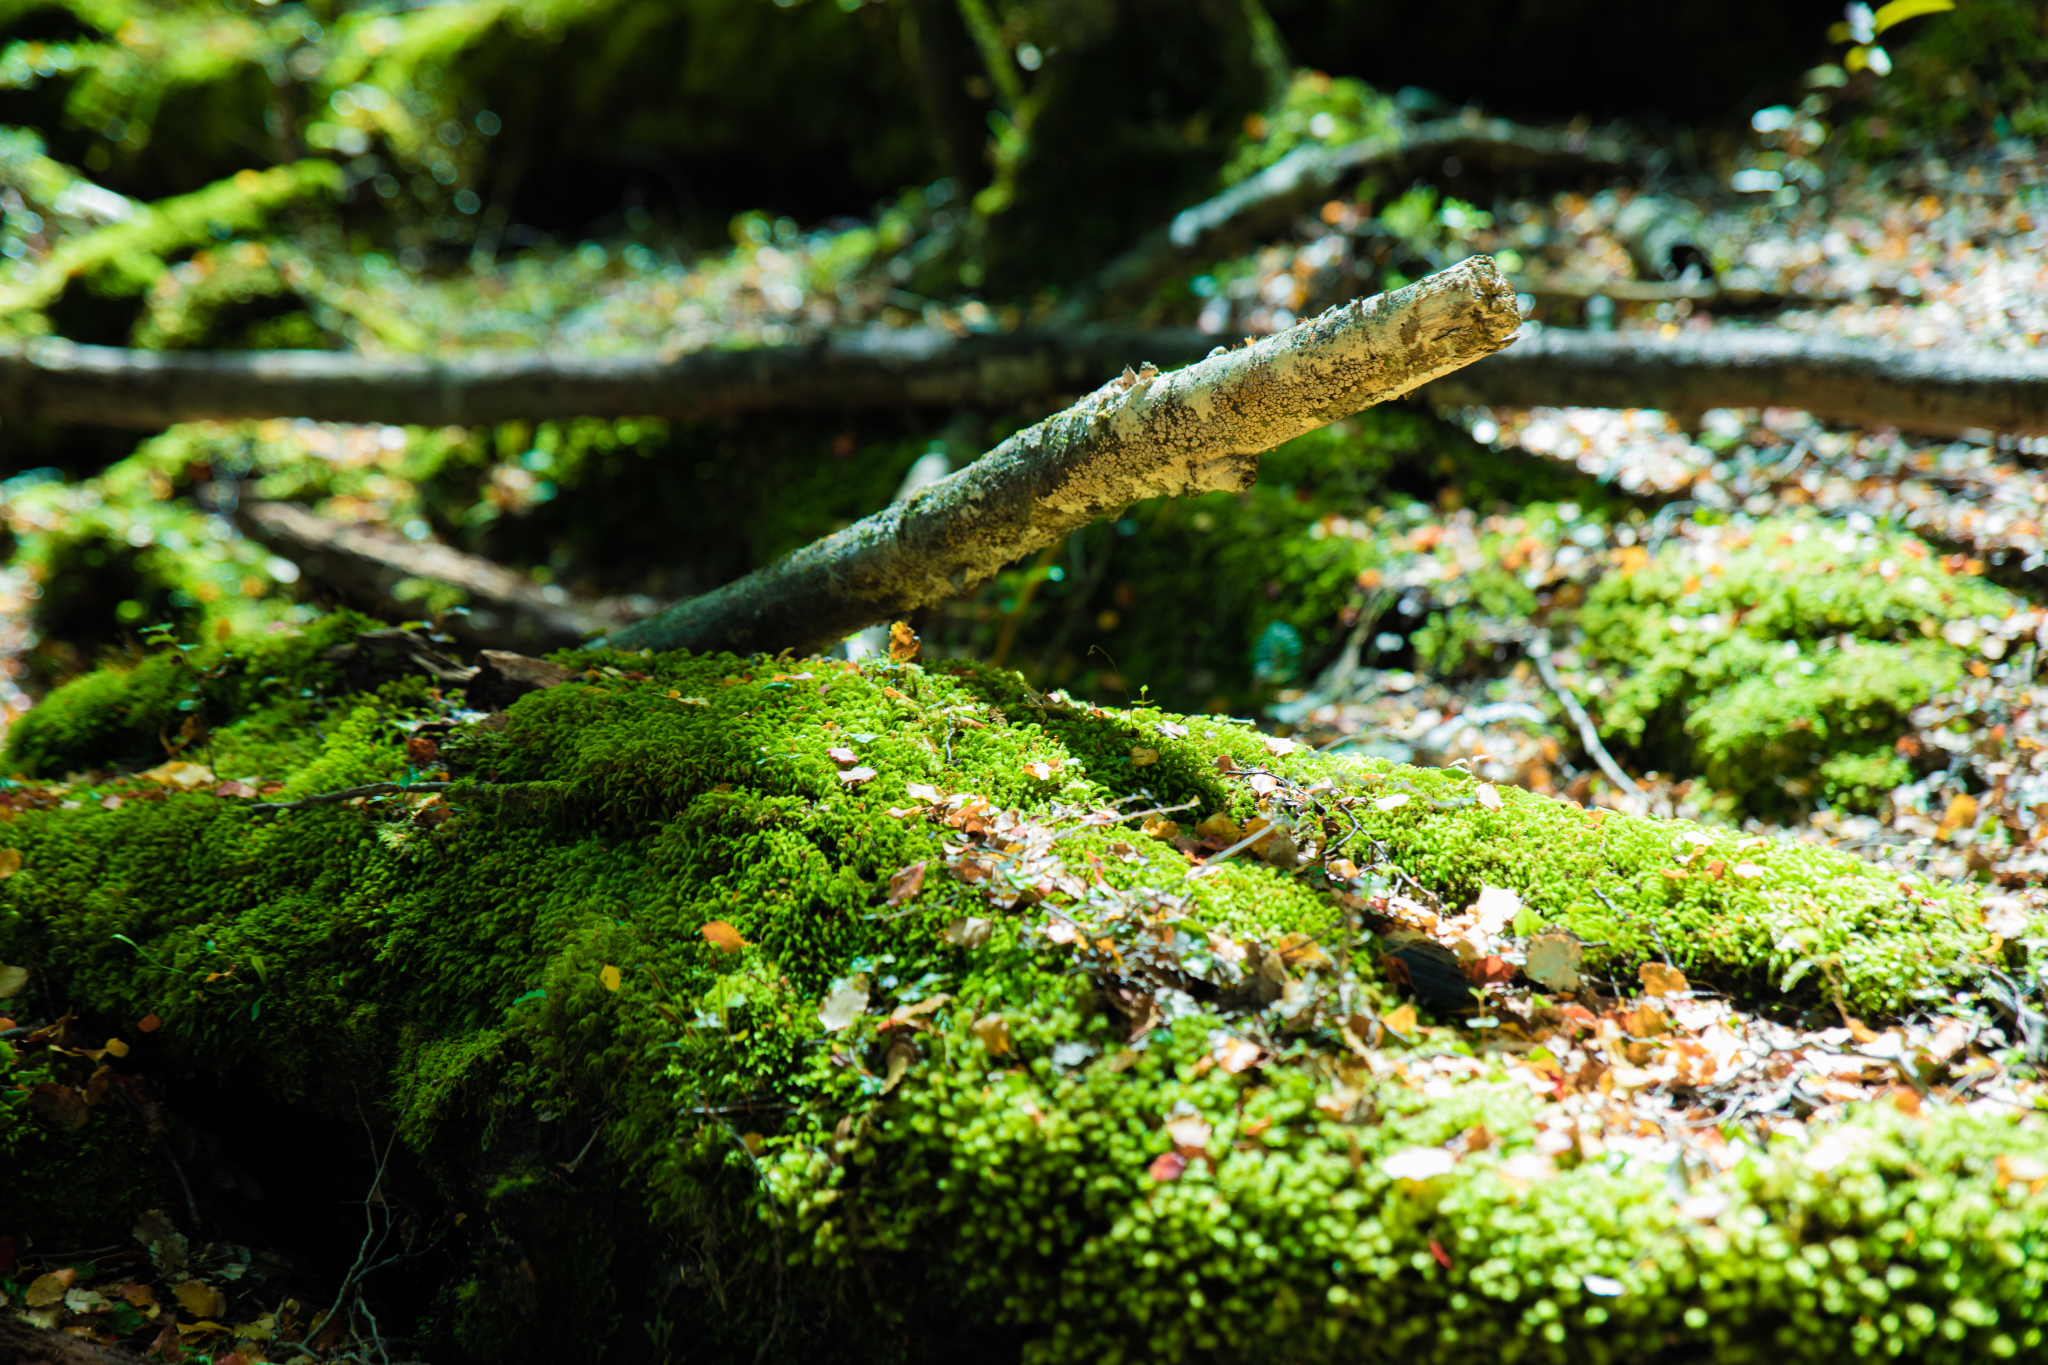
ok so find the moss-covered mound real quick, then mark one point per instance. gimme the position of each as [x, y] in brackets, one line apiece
[912, 1013]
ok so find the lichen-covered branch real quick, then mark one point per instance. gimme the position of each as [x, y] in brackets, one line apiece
[1141, 436]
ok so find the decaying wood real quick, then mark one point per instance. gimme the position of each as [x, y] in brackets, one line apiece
[879, 367]
[23, 1343]
[366, 565]
[1858, 383]
[1145, 434]
[1867, 384]
[1266, 205]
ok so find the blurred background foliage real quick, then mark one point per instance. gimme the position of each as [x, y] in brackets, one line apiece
[605, 175]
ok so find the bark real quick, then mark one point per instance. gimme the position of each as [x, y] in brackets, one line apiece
[1266, 205]
[504, 609]
[877, 368]
[1140, 436]
[1854, 382]
[1858, 383]
[23, 1343]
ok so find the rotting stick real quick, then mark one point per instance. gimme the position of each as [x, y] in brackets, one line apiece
[1143, 435]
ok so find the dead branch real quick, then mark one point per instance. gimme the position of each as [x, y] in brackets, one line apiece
[1144, 435]
[367, 565]
[1267, 204]
[1858, 383]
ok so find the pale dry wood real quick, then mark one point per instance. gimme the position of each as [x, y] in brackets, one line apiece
[1144, 435]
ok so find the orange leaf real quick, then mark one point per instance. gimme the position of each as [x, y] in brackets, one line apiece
[1659, 979]
[1961, 812]
[723, 937]
[902, 643]
[149, 1023]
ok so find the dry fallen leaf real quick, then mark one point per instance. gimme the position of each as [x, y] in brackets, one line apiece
[117, 1047]
[896, 1064]
[200, 1299]
[48, 1289]
[1237, 1055]
[1392, 801]
[1553, 960]
[1172, 730]
[10, 862]
[1488, 797]
[1961, 813]
[906, 883]
[843, 1006]
[992, 1031]
[842, 754]
[1497, 908]
[1190, 1134]
[609, 975]
[969, 932]
[1165, 1167]
[723, 936]
[1660, 979]
[12, 979]
[853, 777]
[902, 643]
[1400, 1020]
[1142, 757]
[180, 774]
[923, 792]
[1419, 1163]
[148, 1023]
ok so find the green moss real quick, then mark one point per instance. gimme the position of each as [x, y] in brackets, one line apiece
[519, 965]
[1759, 661]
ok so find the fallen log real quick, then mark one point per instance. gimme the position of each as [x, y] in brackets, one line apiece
[1858, 383]
[878, 367]
[503, 608]
[1140, 436]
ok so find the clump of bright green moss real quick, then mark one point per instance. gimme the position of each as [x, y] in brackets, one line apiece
[530, 944]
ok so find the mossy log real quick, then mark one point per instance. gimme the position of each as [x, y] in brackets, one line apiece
[810, 1011]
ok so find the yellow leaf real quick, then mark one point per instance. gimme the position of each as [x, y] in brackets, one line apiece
[117, 1047]
[10, 862]
[1899, 11]
[902, 643]
[610, 976]
[200, 1299]
[12, 979]
[1961, 813]
[723, 937]
[48, 1289]
[1142, 757]
[992, 1031]
[1400, 1020]
[1659, 979]
[180, 774]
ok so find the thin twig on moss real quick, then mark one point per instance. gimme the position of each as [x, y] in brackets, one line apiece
[1588, 735]
[333, 798]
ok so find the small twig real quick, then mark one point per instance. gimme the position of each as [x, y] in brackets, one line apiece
[1588, 736]
[349, 794]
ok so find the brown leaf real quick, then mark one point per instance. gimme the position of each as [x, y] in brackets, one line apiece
[10, 862]
[242, 789]
[59, 1104]
[1491, 971]
[422, 752]
[906, 883]
[148, 1023]
[45, 1290]
[902, 643]
[842, 754]
[723, 936]
[896, 1065]
[1660, 979]
[1167, 1166]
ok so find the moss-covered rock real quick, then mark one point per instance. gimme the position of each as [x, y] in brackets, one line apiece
[890, 1031]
